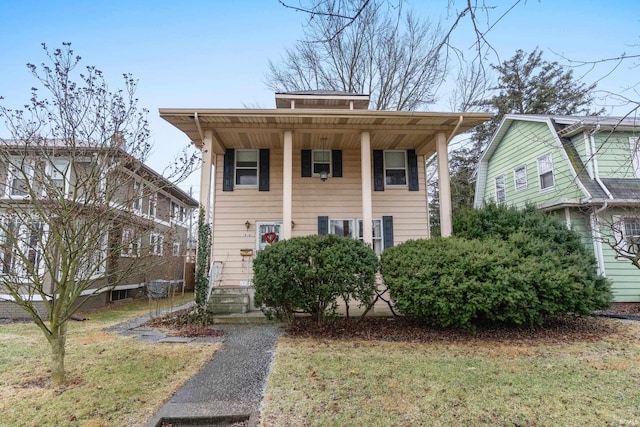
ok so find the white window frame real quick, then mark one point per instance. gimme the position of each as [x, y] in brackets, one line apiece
[58, 170]
[175, 249]
[634, 145]
[21, 244]
[130, 244]
[136, 204]
[178, 212]
[237, 168]
[156, 244]
[405, 169]
[630, 241]
[263, 227]
[500, 188]
[544, 167]
[314, 162]
[152, 209]
[520, 182]
[99, 257]
[334, 221]
[15, 173]
[378, 240]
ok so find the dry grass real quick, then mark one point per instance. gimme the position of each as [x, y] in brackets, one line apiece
[478, 382]
[113, 380]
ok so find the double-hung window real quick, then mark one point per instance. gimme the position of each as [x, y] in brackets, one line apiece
[341, 227]
[130, 243]
[501, 193]
[153, 205]
[176, 249]
[545, 172]
[321, 160]
[58, 174]
[19, 178]
[246, 168]
[395, 168]
[631, 234]
[520, 178]
[634, 143]
[136, 203]
[377, 235]
[156, 243]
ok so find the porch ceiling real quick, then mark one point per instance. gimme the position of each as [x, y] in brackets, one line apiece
[314, 129]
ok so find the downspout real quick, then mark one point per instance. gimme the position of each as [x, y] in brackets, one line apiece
[594, 159]
[597, 235]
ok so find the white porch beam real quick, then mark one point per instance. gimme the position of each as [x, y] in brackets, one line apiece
[444, 185]
[365, 167]
[205, 173]
[287, 178]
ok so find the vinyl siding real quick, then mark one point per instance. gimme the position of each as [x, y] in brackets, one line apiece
[613, 153]
[625, 277]
[337, 198]
[522, 146]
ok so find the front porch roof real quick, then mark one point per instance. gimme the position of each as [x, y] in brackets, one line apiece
[319, 128]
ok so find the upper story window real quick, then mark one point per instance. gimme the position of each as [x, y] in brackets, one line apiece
[176, 249]
[246, 167]
[19, 177]
[152, 210]
[395, 168]
[545, 172]
[136, 203]
[178, 212]
[520, 177]
[634, 143]
[58, 170]
[321, 160]
[501, 193]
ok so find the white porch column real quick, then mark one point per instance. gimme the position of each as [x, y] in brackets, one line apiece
[444, 185]
[287, 176]
[205, 173]
[365, 167]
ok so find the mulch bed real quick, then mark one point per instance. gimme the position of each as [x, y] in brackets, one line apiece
[178, 324]
[559, 330]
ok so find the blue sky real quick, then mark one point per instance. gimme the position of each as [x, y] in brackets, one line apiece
[214, 54]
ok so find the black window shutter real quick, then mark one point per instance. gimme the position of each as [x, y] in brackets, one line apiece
[323, 225]
[228, 171]
[306, 163]
[412, 161]
[336, 160]
[387, 231]
[263, 181]
[378, 170]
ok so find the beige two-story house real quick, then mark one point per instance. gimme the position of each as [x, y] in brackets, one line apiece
[320, 162]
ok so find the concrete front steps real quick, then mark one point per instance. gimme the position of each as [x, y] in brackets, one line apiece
[229, 300]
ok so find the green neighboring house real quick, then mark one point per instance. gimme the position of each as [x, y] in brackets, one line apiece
[584, 170]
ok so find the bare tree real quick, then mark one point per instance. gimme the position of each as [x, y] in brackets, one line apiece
[392, 56]
[68, 209]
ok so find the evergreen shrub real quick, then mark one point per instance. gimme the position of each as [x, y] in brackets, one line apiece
[308, 275]
[502, 266]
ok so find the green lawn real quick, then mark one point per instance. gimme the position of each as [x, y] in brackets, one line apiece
[316, 382]
[112, 380]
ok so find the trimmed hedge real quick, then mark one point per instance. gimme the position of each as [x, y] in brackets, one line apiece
[520, 269]
[308, 275]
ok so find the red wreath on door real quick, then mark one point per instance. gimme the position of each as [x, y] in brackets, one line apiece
[269, 237]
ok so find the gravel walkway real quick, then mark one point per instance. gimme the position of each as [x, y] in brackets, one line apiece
[232, 383]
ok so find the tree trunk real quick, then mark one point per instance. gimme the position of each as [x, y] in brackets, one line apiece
[57, 342]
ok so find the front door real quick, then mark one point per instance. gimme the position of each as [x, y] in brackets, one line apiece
[267, 233]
